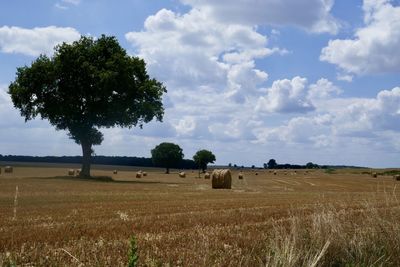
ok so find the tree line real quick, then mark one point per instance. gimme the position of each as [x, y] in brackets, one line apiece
[102, 160]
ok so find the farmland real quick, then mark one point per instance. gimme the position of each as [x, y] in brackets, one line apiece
[288, 219]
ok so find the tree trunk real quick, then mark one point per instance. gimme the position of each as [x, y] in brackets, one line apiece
[86, 159]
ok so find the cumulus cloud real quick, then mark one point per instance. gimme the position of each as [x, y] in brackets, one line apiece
[36, 41]
[367, 121]
[286, 96]
[371, 116]
[322, 89]
[299, 130]
[375, 47]
[193, 49]
[311, 15]
[209, 69]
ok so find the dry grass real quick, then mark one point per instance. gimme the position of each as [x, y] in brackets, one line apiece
[310, 219]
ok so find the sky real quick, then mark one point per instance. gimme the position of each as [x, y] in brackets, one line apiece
[298, 81]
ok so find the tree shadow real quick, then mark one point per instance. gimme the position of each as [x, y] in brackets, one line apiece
[102, 179]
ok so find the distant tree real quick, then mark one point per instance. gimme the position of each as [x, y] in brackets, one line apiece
[167, 155]
[202, 158]
[86, 85]
[272, 164]
[253, 166]
[265, 166]
[234, 166]
[230, 165]
[311, 165]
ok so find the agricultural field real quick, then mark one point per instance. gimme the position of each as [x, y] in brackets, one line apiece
[293, 218]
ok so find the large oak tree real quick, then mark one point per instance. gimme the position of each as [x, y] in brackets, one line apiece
[86, 85]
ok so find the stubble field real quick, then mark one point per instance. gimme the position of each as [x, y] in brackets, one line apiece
[302, 218]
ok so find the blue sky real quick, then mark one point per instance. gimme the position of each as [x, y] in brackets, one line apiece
[298, 81]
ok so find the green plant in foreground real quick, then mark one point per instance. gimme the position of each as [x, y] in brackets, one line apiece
[133, 253]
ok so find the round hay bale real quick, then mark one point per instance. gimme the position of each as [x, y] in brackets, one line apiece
[274, 172]
[144, 174]
[8, 169]
[71, 172]
[77, 172]
[182, 174]
[221, 179]
[115, 172]
[207, 175]
[139, 174]
[374, 174]
[256, 173]
[397, 177]
[240, 176]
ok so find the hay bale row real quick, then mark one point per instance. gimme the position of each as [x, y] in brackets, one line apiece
[221, 179]
[182, 174]
[8, 169]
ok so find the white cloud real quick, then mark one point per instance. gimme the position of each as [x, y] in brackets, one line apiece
[286, 96]
[64, 4]
[209, 69]
[193, 49]
[371, 122]
[311, 15]
[34, 41]
[186, 125]
[322, 89]
[299, 130]
[344, 77]
[371, 116]
[72, 2]
[375, 47]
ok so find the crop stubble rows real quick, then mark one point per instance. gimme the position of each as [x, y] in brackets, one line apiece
[177, 221]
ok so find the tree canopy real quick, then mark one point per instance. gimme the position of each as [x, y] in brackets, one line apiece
[87, 85]
[203, 157]
[167, 155]
[272, 164]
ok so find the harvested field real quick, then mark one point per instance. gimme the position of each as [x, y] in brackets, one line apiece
[57, 219]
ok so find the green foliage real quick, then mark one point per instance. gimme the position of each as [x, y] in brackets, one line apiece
[133, 256]
[167, 155]
[86, 85]
[203, 157]
[272, 164]
[311, 165]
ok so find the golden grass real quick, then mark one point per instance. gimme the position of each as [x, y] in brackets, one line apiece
[312, 219]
